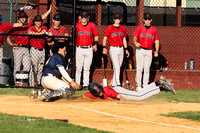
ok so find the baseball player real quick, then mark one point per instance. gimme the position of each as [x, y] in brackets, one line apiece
[56, 87]
[116, 35]
[57, 30]
[144, 37]
[85, 32]
[37, 50]
[99, 92]
[20, 47]
[3, 29]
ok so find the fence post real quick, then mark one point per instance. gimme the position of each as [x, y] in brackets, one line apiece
[139, 12]
[178, 13]
[98, 13]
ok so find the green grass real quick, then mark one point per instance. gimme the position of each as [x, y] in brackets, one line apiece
[191, 115]
[190, 96]
[19, 124]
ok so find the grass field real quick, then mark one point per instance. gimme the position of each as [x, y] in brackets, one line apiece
[21, 125]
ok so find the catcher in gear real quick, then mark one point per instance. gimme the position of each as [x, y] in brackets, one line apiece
[55, 80]
[99, 92]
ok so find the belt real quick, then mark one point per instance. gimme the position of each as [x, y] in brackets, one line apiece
[20, 45]
[145, 48]
[39, 49]
[84, 47]
[117, 46]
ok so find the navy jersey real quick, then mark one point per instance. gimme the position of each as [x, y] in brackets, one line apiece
[52, 65]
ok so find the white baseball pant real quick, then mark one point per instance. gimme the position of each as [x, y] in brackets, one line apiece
[37, 64]
[117, 56]
[142, 94]
[84, 58]
[143, 62]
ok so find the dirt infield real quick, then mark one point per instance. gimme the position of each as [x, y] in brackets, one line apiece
[132, 116]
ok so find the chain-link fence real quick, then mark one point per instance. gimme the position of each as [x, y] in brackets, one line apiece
[176, 21]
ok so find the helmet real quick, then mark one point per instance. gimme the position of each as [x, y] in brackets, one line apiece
[22, 14]
[95, 88]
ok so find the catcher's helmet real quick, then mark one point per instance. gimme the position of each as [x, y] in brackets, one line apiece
[95, 88]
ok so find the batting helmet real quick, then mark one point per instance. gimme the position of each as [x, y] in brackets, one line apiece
[95, 88]
[22, 14]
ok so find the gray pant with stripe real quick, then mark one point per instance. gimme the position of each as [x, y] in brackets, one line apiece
[84, 58]
[37, 64]
[21, 57]
[117, 56]
[143, 62]
[142, 94]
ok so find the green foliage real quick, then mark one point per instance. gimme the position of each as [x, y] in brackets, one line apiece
[192, 115]
[19, 124]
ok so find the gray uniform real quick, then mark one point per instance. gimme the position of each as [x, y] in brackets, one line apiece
[37, 60]
[142, 94]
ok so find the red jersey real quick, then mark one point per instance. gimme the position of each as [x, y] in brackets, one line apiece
[115, 35]
[146, 37]
[108, 93]
[3, 29]
[23, 40]
[58, 32]
[85, 34]
[37, 43]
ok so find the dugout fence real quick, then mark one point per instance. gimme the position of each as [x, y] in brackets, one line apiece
[177, 23]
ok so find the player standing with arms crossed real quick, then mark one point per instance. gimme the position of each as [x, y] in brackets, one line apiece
[20, 47]
[85, 32]
[144, 37]
[3, 29]
[116, 35]
[57, 30]
[37, 51]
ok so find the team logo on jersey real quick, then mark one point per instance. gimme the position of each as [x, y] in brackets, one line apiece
[84, 33]
[147, 35]
[117, 34]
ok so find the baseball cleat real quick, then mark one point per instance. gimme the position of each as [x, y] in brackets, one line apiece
[166, 85]
[33, 94]
[68, 92]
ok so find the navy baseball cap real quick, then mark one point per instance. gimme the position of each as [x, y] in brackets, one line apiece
[22, 14]
[37, 18]
[117, 16]
[57, 17]
[147, 16]
[84, 14]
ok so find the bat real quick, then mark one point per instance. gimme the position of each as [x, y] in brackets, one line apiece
[105, 83]
[68, 63]
[127, 81]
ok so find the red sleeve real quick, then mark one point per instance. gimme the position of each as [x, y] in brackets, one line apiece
[7, 27]
[13, 32]
[95, 32]
[29, 24]
[45, 28]
[31, 28]
[125, 34]
[110, 92]
[107, 32]
[89, 95]
[137, 32]
[156, 36]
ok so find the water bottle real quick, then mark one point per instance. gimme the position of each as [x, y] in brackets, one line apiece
[185, 65]
[191, 64]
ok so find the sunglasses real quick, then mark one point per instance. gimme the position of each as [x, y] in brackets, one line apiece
[83, 17]
[147, 19]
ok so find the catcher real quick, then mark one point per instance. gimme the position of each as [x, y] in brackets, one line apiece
[55, 80]
[99, 92]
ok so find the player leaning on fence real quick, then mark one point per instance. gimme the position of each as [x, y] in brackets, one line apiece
[3, 29]
[116, 35]
[37, 51]
[144, 37]
[85, 32]
[20, 47]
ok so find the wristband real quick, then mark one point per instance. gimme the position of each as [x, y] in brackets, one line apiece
[46, 32]
[95, 43]
[25, 23]
[125, 49]
[103, 46]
